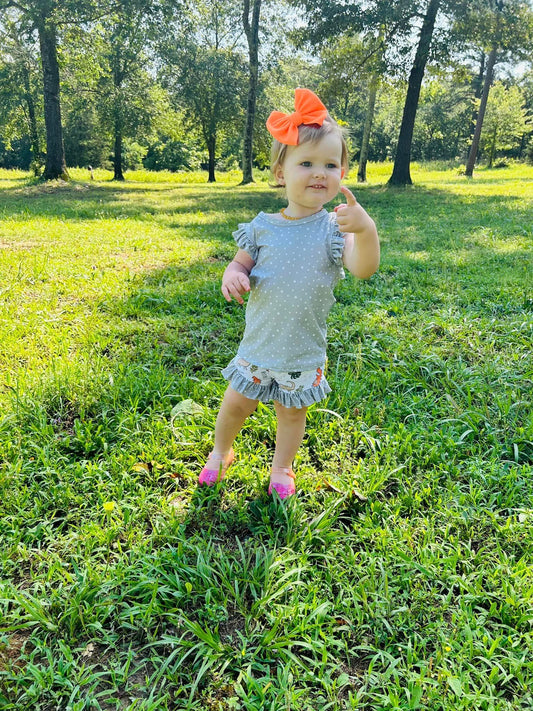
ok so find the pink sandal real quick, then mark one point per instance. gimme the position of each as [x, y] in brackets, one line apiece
[284, 490]
[210, 477]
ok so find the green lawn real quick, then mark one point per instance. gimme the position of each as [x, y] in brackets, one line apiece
[401, 575]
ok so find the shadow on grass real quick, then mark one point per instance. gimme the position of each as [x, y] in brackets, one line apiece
[214, 510]
[275, 522]
[420, 219]
[75, 201]
[185, 327]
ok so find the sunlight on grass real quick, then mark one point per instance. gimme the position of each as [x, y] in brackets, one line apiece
[397, 578]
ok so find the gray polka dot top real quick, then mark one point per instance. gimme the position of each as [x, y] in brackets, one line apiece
[297, 265]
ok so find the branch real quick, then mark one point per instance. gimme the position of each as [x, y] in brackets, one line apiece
[12, 3]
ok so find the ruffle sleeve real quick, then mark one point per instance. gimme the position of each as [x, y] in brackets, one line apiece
[245, 238]
[335, 244]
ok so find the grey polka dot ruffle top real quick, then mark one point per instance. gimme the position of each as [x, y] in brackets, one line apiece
[297, 265]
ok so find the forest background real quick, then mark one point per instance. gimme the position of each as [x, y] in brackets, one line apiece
[178, 86]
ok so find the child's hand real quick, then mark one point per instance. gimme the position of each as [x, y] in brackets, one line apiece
[351, 217]
[234, 284]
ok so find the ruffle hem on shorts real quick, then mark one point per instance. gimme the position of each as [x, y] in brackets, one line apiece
[267, 393]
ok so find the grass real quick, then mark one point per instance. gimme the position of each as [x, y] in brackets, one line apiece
[400, 576]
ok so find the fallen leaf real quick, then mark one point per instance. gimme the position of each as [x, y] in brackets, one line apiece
[187, 407]
[331, 486]
[141, 467]
[358, 495]
[89, 649]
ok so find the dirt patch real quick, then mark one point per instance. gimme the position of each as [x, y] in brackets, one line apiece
[18, 245]
[228, 628]
[10, 654]
[51, 186]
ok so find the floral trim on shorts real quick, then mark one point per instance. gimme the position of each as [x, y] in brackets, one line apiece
[295, 388]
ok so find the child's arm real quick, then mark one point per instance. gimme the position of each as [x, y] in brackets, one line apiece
[235, 281]
[361, 243]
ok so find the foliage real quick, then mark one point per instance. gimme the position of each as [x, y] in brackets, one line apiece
[87, 139]
[19, 95]
[504, 30]
[172, 75]
[175, 144]
[506, 120]
[206, 77]
[442, 119]
[345, 74]
[505, 24]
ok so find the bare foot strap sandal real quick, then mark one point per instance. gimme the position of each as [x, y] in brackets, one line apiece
[211, 476]
[283, 490]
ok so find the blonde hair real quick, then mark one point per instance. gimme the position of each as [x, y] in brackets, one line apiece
[309, 134]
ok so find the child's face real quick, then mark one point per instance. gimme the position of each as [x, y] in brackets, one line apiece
[311, 174]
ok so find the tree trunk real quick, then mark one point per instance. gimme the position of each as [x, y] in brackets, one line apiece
[252, 35]
[363, 156]
[492, 151]
[32, 122]
[211, 148]
[117, 157]
[55, 166]
[478, 90]
[118, 124]
[401, 173]
[481, 113]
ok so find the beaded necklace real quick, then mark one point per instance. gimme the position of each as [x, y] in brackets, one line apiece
[288, 217]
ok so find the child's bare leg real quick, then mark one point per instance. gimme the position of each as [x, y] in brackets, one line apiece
[289, 436]
[235, 408]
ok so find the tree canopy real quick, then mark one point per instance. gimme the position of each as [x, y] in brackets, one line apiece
[178, 86]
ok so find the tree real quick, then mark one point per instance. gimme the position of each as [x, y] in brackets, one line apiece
[87, 141]
[127, 100]
[474, 147]
[401, 172]
[443, 113]
[369, 118]
[385, 27]
[387, 120]
[504, 30]
[251, 29]
[44, 17]
[206, 74]
[40, 15]
[18, 92]
[477, 86]
[352, 68]
[506, 121]
[211, 87]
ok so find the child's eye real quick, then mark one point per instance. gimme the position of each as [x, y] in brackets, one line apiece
[331, 165]
[306, 163]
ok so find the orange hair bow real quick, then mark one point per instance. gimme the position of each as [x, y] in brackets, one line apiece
[308, 109]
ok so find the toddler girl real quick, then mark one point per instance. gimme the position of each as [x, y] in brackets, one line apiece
[290, 262]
